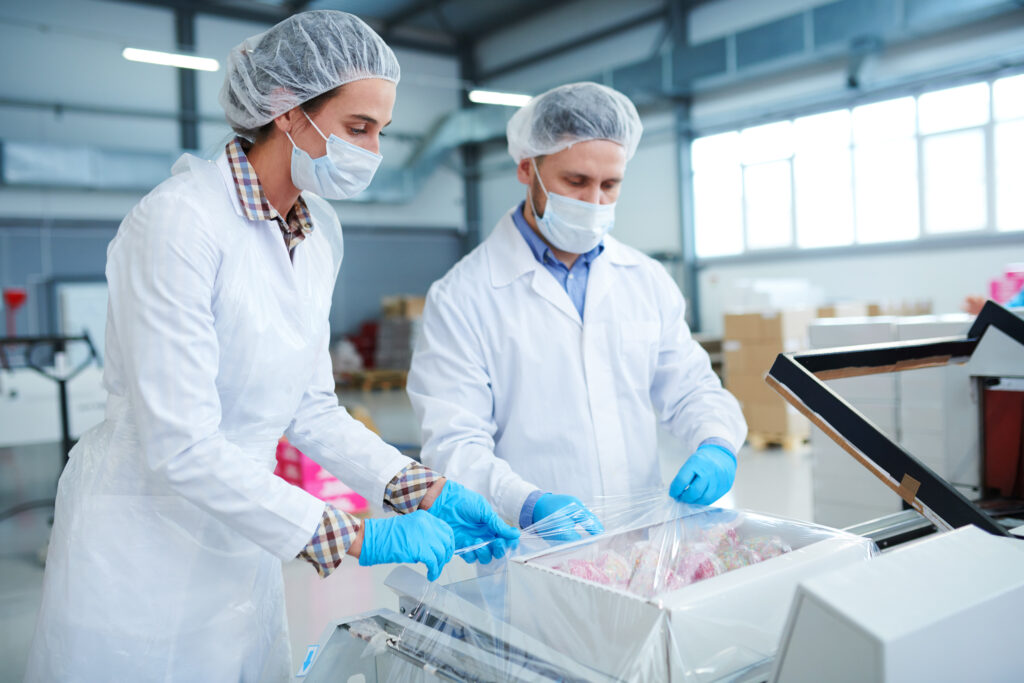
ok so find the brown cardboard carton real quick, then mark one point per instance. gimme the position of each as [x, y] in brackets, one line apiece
[774, 417]
[751, 387]
[745, 357]
[850, 309]
[745, 326]
[786, 327]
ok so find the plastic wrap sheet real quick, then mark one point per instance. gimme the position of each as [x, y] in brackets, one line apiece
[667, 592]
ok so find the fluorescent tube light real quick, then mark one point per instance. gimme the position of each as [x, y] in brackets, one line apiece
[134, 54]
[508, 99]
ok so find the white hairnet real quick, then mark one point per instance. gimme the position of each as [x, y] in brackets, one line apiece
[573, 113]
[303, 56]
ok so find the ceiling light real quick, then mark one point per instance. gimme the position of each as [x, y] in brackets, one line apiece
[134, 54]
[508, 99]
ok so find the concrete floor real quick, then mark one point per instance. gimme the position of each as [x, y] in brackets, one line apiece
[770, 481]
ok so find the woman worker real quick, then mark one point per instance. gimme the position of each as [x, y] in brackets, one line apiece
[170, 525]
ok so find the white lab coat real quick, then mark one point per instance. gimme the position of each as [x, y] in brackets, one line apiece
[170, 528]
[515, 393]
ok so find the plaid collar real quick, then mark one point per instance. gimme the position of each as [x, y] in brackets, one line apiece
[255, 204]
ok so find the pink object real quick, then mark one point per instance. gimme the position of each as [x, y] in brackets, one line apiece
[699, 563]
[297, 469]
[721, 536]
[1007, 285]
[585, 569]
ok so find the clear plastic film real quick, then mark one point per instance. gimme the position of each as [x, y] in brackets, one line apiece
[665, 592]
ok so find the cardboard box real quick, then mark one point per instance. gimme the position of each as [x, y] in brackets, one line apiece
[751, 388]
[700, 632]
[831, 333]
[402, 306]
[788, 327]
[776, 417]
[849, 309]
[750, 357]
[784, 327]
[744, 326]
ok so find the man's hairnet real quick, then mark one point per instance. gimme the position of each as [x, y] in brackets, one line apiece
[573, 113]
[305, 55]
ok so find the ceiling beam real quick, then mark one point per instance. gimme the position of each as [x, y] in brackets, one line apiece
[263, 13]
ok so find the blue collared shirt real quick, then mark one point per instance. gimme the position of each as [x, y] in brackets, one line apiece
[573, 280]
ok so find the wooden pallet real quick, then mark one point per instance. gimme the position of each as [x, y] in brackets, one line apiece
[374, 380]
[760, 441]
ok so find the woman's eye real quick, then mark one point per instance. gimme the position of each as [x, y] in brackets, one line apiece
[382, 134]
[357, 131]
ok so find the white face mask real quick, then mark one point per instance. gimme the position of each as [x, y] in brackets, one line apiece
[342, 173]
[571, 225]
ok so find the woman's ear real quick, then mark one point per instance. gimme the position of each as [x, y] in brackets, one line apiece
[289, 121]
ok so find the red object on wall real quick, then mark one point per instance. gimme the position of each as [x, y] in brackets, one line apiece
[14, 297]
[1004, 441]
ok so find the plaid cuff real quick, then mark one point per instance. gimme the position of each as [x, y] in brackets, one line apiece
[404, 493]
[329, 544]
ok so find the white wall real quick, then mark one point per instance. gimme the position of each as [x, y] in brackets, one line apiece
[943, 276]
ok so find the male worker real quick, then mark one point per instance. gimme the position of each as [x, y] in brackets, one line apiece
[550, 351]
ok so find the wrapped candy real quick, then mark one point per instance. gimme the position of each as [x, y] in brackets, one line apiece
[765, 547]
[585, 569]
[721, 536]
[698, 563]
[737, 556]
[615, 567]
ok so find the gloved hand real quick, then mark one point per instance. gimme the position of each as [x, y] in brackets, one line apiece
[561, 514]
[706, 476]
[416, 537]
[474, 523]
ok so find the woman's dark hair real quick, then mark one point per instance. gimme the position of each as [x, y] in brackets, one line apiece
[311, 107]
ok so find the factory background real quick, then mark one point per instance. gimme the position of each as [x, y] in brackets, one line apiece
[110, 128]
[864, 156]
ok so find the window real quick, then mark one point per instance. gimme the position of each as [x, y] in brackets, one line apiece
[947, 161]
[824, 204]
[718, 195]
[954, 181]
[1008, 143]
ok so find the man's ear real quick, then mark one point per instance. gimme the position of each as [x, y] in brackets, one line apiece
[524, 172]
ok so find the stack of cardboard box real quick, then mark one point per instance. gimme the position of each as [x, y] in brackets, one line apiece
[397, 331]
[752, 341]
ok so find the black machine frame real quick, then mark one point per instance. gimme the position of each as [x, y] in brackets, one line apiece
[800, 379]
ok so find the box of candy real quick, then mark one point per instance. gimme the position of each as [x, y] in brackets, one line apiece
[691, 598]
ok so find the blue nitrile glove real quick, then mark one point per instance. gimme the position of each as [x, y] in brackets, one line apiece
[474, 524]
[416, 537]
[706, 476]
[560, 515]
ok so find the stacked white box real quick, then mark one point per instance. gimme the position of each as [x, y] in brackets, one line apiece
[844, 492]
[938, 407]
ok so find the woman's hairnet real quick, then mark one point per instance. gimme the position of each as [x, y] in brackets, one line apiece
[573, 113]
[303, 56]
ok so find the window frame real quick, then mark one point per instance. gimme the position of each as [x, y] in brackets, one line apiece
[987, 235]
